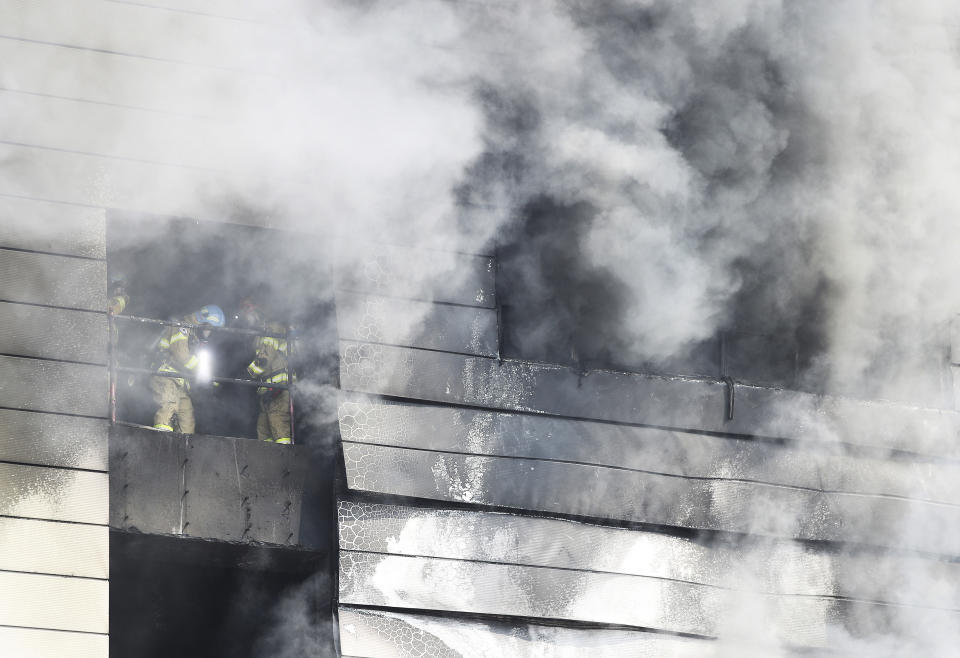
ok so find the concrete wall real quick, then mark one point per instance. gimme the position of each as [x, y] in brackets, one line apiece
[54, 505]
[208, 487]
[104, 106]
[546, 496]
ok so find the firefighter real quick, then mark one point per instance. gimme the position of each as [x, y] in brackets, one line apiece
[270, 365]
[118, 302]
[118, 296]
[178, 355]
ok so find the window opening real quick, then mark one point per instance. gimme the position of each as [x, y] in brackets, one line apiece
[236, 376]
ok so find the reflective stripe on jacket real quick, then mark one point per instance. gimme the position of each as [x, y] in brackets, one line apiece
[176, 355]
[270, 363]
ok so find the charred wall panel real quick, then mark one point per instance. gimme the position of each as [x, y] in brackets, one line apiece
[642, 399]
[672, 452]
[825, 419]
[54, 602]
[53, 280]
[438, 276]
[213, 504]
[36, 643]
[780, 567]
[69, 549]
[492, 564]
[52, 227]
[54, 494]
[239, 490]
[54, 386]
[639, 497]
[53, 440]
[53, 333]
[205, 486]
[376, 634]
[146, 480]
[501, 589]
[271, 487]
[445, 327]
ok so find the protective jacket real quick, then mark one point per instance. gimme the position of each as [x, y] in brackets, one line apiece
[118, 303]
[271, 366]
[176, 354]
[174, 406]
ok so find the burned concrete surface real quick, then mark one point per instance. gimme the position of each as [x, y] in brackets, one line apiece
[233, 490]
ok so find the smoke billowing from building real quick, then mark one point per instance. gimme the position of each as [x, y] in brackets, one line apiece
[651, 173]
[770, 167]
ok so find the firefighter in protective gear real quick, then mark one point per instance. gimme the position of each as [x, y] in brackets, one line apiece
[118, 303]
[177, 349]
[271, 366]
[118, 296]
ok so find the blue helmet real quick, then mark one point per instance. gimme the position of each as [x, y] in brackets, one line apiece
[210, 314]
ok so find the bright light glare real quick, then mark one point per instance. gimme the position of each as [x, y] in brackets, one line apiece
[205, 367]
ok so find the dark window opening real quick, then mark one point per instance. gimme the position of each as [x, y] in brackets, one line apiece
[172, 267]
[197, 599]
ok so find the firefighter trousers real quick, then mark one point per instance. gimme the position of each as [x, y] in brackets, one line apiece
[174, 408]
[273, 424]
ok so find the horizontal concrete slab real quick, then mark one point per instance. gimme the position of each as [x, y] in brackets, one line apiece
[53, 333]
[611, 493]
[121, 27]
[49, 547]
[482, 588]
[243, 490]
[687, 454]
[468, 330]
[53, 440]
[54, 494]
[642, 399]
[75, 178]
[53, 280]
[777, 567]
[422, 274]
[248, 10]
[375, 634]
[146, 480]
[51, 227]
[135, 134]
[133, 81]
[37, 643]
[204, 486]
[53, 386]
[54, 602]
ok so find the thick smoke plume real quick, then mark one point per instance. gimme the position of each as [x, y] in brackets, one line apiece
[775, 168]
[652, 172]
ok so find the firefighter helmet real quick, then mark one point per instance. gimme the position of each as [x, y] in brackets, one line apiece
[210, 314]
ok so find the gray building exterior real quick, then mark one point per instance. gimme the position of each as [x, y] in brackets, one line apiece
[477, 505]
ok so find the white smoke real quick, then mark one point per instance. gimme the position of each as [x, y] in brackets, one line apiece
[785, 152]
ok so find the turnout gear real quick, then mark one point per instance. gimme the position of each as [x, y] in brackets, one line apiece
[271, 366]
[178, 356]
[118, 296]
